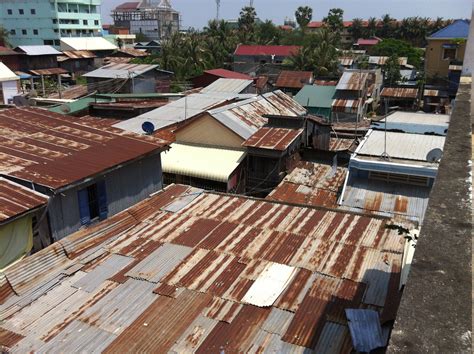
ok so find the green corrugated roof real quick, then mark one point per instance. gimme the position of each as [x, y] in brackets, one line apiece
[316, 96]
[76, 106]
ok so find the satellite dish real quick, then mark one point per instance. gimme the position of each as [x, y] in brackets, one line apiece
[65, 108]
[434, 155]
[148, 128]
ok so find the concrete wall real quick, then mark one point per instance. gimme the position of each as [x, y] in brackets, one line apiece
[126, 186]
[434, 62]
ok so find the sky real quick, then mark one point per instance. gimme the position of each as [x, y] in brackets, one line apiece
[196, 13]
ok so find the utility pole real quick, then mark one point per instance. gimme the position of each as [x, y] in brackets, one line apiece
[218, 5]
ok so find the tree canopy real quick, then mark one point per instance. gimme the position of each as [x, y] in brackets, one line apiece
[303, 15]
[390, 46]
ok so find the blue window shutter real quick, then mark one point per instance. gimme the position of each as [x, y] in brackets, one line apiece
[102, 194]
[84, 212]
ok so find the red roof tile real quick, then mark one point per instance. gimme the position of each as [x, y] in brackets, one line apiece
[371, 41]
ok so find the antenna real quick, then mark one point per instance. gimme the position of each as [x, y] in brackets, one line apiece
[434, 155]
[218, 5]
[148, 128]
[251, 3]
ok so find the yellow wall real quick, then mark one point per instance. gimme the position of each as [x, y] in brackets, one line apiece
[434, 62]
[208, 131]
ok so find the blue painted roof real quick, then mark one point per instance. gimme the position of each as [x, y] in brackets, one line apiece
[457, 29]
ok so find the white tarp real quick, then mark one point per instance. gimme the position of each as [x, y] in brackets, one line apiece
[269, 285]
[9, 89]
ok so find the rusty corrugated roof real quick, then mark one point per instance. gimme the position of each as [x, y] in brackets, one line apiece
[294, 79]
[52, 150]
[148, 279]
[16, 200]
[79, 54]
[271, 138]
[342, 105]
[50, 71]
[311, 183]
[71, 93]
[399, 92]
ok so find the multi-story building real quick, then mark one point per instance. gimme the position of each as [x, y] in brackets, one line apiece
[37, 22]
[152, 18]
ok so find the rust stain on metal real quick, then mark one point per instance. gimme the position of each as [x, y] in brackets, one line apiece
[8, 338]
[401, 204]
[399, 92]
[278, 139]
[294, 79]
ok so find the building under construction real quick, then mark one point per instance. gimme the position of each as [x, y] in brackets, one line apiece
[155, 19]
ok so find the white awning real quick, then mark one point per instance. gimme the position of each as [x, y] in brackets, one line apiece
[214, 164]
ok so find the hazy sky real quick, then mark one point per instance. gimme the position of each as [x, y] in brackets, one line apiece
[196, 13]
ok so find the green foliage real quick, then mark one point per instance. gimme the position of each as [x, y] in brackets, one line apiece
[392, 70]
[247, 24]
[119, 42]
[4, 36]
[389, 47]
[334, 21]
[151, 59]
[268, 34]
[303, 15]
[357, 30]
[140, 37]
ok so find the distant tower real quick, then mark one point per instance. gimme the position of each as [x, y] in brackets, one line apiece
[251, 3]
[218, 5]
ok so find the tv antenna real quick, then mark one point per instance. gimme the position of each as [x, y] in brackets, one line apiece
[434, 155]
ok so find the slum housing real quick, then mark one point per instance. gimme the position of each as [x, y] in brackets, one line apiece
[274, 212]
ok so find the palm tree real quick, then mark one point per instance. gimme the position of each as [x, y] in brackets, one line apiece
[371, 27]
[302, 60]
[387, 26]
[303, 15]
[357, 29]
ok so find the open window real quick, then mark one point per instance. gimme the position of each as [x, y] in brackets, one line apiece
[449, 51]
[93, 203]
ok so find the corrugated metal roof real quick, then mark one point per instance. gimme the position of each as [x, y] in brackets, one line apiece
[316, 96]
[52, 150]
[346, 61]
[121, 71]
[270, 138]
[50, 71]
[365, 329]
[16, 200]
[227, 86]
[383, 60]
[312, 184]
[399, 92]
[457, 29]
[400, 145]
[434, 93]
[343, 105]
[401, 201]
[176, 111]
[6, 74]
[415, 123]
[198, 303]
[246, 117]
[132, 52]
[215, 164]
[79, 54]
[34, 50]
[294, 79]
[352, 80]
[228, 74]
[86, 43]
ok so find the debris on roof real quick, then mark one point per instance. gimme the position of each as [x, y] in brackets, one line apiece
[52, 150]
[311, 183]
[16, 200]
[271, 138]
[148, 279]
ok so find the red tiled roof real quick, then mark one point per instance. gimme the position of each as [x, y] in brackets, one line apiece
[316, 24]
[294, 79]
[228, 74]
[128, 6]
[278, 50]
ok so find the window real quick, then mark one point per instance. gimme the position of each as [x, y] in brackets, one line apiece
[35, 32]
[24, 32]
[84, 22]
[96, 22]
[48, 42]
[55, 21]
[33, 11]
[55, 30]
[92, 203]
[10, 11]
[21, 12]
[449, 53]
[57, 42]
[12, 32]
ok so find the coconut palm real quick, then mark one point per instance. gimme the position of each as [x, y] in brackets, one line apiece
[303, 16]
